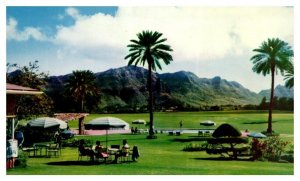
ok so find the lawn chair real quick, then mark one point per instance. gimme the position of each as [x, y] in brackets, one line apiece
[115, 146]
[28, 150]
[200, 133]
[80, 155]
[125, 154]
[53, 149]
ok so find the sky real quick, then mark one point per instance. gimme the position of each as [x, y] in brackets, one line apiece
[206, 40]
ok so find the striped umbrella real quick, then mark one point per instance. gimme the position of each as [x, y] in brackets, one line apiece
[107, 123]
[46, 122]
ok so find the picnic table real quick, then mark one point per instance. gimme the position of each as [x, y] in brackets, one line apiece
[39, 147]
[234, 147]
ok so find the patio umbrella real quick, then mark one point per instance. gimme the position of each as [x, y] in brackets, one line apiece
[226, 130]
[107, 123]
[208, 123]
[139, 122]
[257, 135]
[44, 123]
[62, 124]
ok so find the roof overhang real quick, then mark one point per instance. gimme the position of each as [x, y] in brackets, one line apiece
[23, 92]
[16, 89]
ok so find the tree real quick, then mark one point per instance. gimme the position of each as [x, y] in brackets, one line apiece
[80, 85]
[149, 48]
[263, 104]
[29, 76]
[289, 75]
[272, 56]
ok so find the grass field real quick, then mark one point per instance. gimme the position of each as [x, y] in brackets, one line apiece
[164, 156]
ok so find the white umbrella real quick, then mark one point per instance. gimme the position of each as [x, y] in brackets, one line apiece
[208, 123]
[62, 124]
[107, 123]
[43, 122]
[139, 121]
[257, 135]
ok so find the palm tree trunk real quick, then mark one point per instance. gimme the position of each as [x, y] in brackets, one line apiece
[80, 124]
[82, 100]
[269, 130]
[151, 132]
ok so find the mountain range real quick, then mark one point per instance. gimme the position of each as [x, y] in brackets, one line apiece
[127, 86]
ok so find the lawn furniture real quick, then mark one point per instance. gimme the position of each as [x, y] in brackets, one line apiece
[234, 147]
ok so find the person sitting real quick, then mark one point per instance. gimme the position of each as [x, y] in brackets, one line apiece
[132, 130]
[125, 148]
[85, 151]
[123, 152]
[99, 151]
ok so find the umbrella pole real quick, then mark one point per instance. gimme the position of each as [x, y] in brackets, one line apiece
[106, 138]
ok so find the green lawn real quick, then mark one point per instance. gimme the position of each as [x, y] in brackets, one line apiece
[251, 120]
[164, 156]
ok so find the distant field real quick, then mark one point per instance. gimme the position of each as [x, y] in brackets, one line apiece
[251, 120]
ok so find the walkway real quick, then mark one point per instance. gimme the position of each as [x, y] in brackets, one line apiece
[102, 132]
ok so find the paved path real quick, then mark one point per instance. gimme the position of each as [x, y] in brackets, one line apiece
[102, 132]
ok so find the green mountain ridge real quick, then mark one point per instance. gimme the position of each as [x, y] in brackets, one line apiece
[127, 87]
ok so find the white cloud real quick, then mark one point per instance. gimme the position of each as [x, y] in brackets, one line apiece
[12, 32]
[74, 13]
[208, 41]
[195, 33]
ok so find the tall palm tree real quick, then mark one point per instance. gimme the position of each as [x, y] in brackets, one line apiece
[272, 56]
[149, 48]
[289, 75]
[81, 84]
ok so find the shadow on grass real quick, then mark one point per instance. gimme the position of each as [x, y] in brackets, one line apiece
[258, 122]
[84, 163]
[68, 163]
[223, 159]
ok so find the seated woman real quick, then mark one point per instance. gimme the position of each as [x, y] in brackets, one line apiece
[125, 148]
[100, 151]
[85, 151]
[123, 152]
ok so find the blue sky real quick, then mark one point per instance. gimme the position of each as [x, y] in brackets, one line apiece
[208, 41]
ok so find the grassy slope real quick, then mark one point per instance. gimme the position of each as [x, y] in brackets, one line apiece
[164, 156]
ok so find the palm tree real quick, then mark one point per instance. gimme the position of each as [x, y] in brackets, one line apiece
[289, 75]
[80, 85]
[149, 48]
[272, 56]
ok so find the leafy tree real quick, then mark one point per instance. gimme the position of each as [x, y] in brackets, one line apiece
[289, 75]
[80, 85]
[272, 56]
[149, 49]
[263, 104]
[29, 76]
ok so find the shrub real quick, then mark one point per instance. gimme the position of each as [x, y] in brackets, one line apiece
[21, 160]
[289, 155]
[74, 142]
[269, 149]
[270, 134]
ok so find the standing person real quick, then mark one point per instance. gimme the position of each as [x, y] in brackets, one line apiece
[9, 155]
[180, 124]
